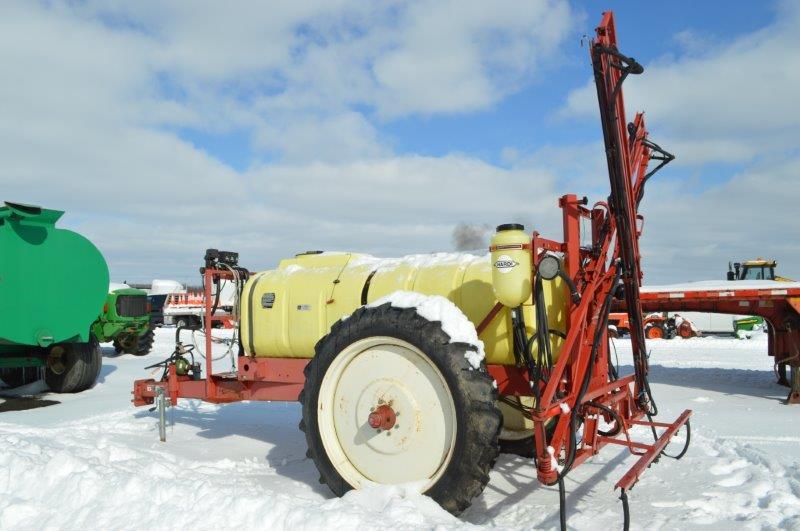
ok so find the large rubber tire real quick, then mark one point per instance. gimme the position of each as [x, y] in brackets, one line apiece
[19, 376]
[686, 331]
[525, 447]
[145, 343]
[125, 343]
[73, 367]
[463, 471]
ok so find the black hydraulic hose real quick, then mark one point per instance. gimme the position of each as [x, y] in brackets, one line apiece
[621, 205]
[649, 392]
[612, 368]
[522, 350]
[573, 290]
[685, 445]
[216, 299]
[178, 333]
[542, 325]
[664, 157]
[562, 504]
[613, 414]
[520, 337]
[602, 325]
[605, 309]
[626, 513]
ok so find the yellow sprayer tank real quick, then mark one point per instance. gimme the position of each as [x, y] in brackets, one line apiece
[285, 311]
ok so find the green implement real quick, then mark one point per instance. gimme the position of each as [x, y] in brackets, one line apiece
[53, 283]
[125, 320]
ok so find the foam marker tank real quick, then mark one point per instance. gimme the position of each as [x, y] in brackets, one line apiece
[512, 266]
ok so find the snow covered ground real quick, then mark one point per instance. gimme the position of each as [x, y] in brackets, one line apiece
[93, 461]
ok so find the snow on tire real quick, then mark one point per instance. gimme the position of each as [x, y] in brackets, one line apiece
[390, 399]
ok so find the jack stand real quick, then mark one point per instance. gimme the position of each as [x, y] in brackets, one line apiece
[794, 391]
[162, 417]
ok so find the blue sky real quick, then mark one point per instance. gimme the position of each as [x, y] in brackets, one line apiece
[526, 119]
[166, 128]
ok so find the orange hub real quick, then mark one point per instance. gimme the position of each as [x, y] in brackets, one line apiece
[382, 418]
[655, 333]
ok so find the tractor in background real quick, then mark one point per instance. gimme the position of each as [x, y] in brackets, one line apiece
[656, 326]
[758, 269]
[125, 321]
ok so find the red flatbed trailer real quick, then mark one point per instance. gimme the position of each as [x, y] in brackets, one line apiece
[777, 302]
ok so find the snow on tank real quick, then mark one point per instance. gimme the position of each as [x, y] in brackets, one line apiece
[114, 286]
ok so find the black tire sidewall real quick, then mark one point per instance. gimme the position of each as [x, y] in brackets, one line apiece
[82, 364]
[477, 419]
[145, 343]
[19, 376]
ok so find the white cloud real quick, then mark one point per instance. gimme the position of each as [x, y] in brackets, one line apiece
[455, 55]
[93, 92]
[339, 137]
[323, 58]
[728, 103]
[692, 235]
[722, 103]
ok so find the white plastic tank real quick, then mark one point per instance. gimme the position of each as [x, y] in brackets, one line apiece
[165, 287]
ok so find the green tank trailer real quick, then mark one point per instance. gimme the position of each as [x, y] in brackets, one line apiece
[55, 305]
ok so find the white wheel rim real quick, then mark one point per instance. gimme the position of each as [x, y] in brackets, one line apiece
[373, 372]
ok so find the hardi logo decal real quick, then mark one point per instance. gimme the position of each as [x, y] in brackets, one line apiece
[505, 264]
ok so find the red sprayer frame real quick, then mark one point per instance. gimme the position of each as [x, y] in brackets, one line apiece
[581, 386]
[271, 379]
